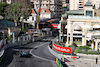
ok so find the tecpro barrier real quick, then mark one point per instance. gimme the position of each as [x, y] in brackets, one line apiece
[62, 49]
[59, 63]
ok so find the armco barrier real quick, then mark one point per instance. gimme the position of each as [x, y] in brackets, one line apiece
[19, 42]
[56, 54]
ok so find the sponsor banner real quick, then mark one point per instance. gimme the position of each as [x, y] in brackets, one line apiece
[62, 49]
[54, 25]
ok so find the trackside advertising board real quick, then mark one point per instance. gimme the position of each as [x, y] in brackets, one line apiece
[62, 49]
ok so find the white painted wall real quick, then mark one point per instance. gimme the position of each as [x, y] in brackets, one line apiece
[88, 8]
[45, 15]
[8, 1]
[30, 21]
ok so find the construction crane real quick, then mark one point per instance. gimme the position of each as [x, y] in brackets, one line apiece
[38, 33]
[39, 15]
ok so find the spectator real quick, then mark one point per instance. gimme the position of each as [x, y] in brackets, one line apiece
[96, 60]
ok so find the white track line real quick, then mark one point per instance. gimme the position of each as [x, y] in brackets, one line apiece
[38, 56]
[39, 45]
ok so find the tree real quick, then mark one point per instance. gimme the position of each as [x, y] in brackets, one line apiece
[73, 47]
[18, 12]
[2, 8]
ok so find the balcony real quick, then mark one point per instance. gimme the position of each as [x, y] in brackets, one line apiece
[93, 31]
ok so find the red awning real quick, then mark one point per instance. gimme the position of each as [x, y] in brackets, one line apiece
[54, 25]
[51, 20]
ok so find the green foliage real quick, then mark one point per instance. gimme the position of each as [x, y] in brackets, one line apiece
[59, 43]
[84, 48]
[17, 12]
[86, 52]
[2, 8]
[73, 45]
[9, 37]
[78, 51]
[25, 29]
[65, 7]
[91, 52]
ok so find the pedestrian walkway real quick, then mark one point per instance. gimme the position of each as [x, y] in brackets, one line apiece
[81, 62]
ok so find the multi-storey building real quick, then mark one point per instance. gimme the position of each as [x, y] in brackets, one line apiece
[55, 6]
[79, 4]
[81, 27]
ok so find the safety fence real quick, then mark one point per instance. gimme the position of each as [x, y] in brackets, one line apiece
[21, 40]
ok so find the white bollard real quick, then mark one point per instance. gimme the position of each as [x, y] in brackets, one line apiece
[77, 65]
[91, 64]
[13, 37]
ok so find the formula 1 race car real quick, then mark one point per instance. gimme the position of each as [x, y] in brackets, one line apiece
[24, 54]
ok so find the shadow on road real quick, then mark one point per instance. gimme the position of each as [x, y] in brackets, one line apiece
[8, 57]
[22, 47]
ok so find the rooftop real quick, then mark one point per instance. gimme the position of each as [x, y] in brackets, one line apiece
[88, 3]
[75, 12]
[33, 11]
[6, 23]
[82, 17]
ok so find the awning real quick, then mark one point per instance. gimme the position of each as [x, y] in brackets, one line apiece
[59, 26]
[77, 28]
[87, 26]
[66, 27]
[96, 26]
[54, 25]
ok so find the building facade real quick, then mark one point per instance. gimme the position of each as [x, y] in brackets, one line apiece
[32, 19]
[55, 6]
[79, 4]
[81, 27]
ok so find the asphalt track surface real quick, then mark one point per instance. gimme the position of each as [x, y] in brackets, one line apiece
[40, 56]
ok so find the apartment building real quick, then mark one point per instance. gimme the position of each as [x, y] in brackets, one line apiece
[79, 4]
[55, 6]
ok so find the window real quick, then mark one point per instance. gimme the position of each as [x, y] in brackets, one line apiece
[80, 7]
[47, 5]
[32, 18]
[89, 13]
[94, 22]
[36, 4]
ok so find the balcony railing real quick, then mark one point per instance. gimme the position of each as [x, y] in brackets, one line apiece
[94, 31]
